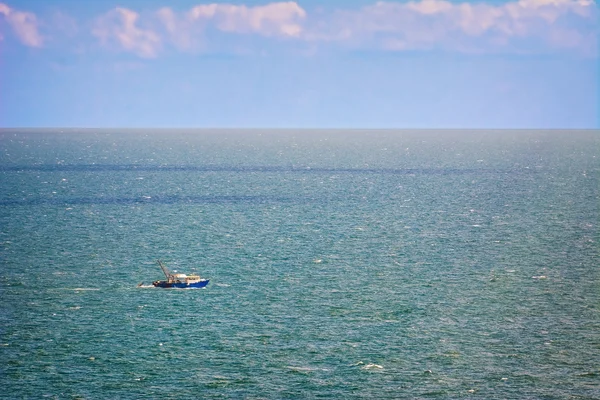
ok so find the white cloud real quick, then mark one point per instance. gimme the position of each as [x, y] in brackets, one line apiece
[182, 30]
[24, 24]
[271, 20]
[187, 30]
[119, 28]
[518, 26]
[480, 27]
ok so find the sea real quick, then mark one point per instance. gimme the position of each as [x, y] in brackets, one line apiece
[343, 264]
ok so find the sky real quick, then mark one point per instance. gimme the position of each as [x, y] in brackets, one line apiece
[431, 64]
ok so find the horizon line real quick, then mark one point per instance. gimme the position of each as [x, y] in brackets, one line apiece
[75, 128]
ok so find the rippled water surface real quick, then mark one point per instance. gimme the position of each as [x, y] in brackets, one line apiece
[342, 264]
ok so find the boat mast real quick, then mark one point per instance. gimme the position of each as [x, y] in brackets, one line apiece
[164, 270]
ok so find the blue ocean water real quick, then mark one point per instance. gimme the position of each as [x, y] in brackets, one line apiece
[343, 264]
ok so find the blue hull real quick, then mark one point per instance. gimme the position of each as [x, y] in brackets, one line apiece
[181, 285]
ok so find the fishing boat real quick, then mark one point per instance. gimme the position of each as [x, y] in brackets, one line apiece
[179, 281]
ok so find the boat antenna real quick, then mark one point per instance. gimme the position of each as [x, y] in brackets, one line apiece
[164, 269]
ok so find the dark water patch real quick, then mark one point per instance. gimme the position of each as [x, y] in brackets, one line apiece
[35, 201]
[256, 169]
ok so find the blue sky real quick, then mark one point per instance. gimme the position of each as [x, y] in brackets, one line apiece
[302, 64]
